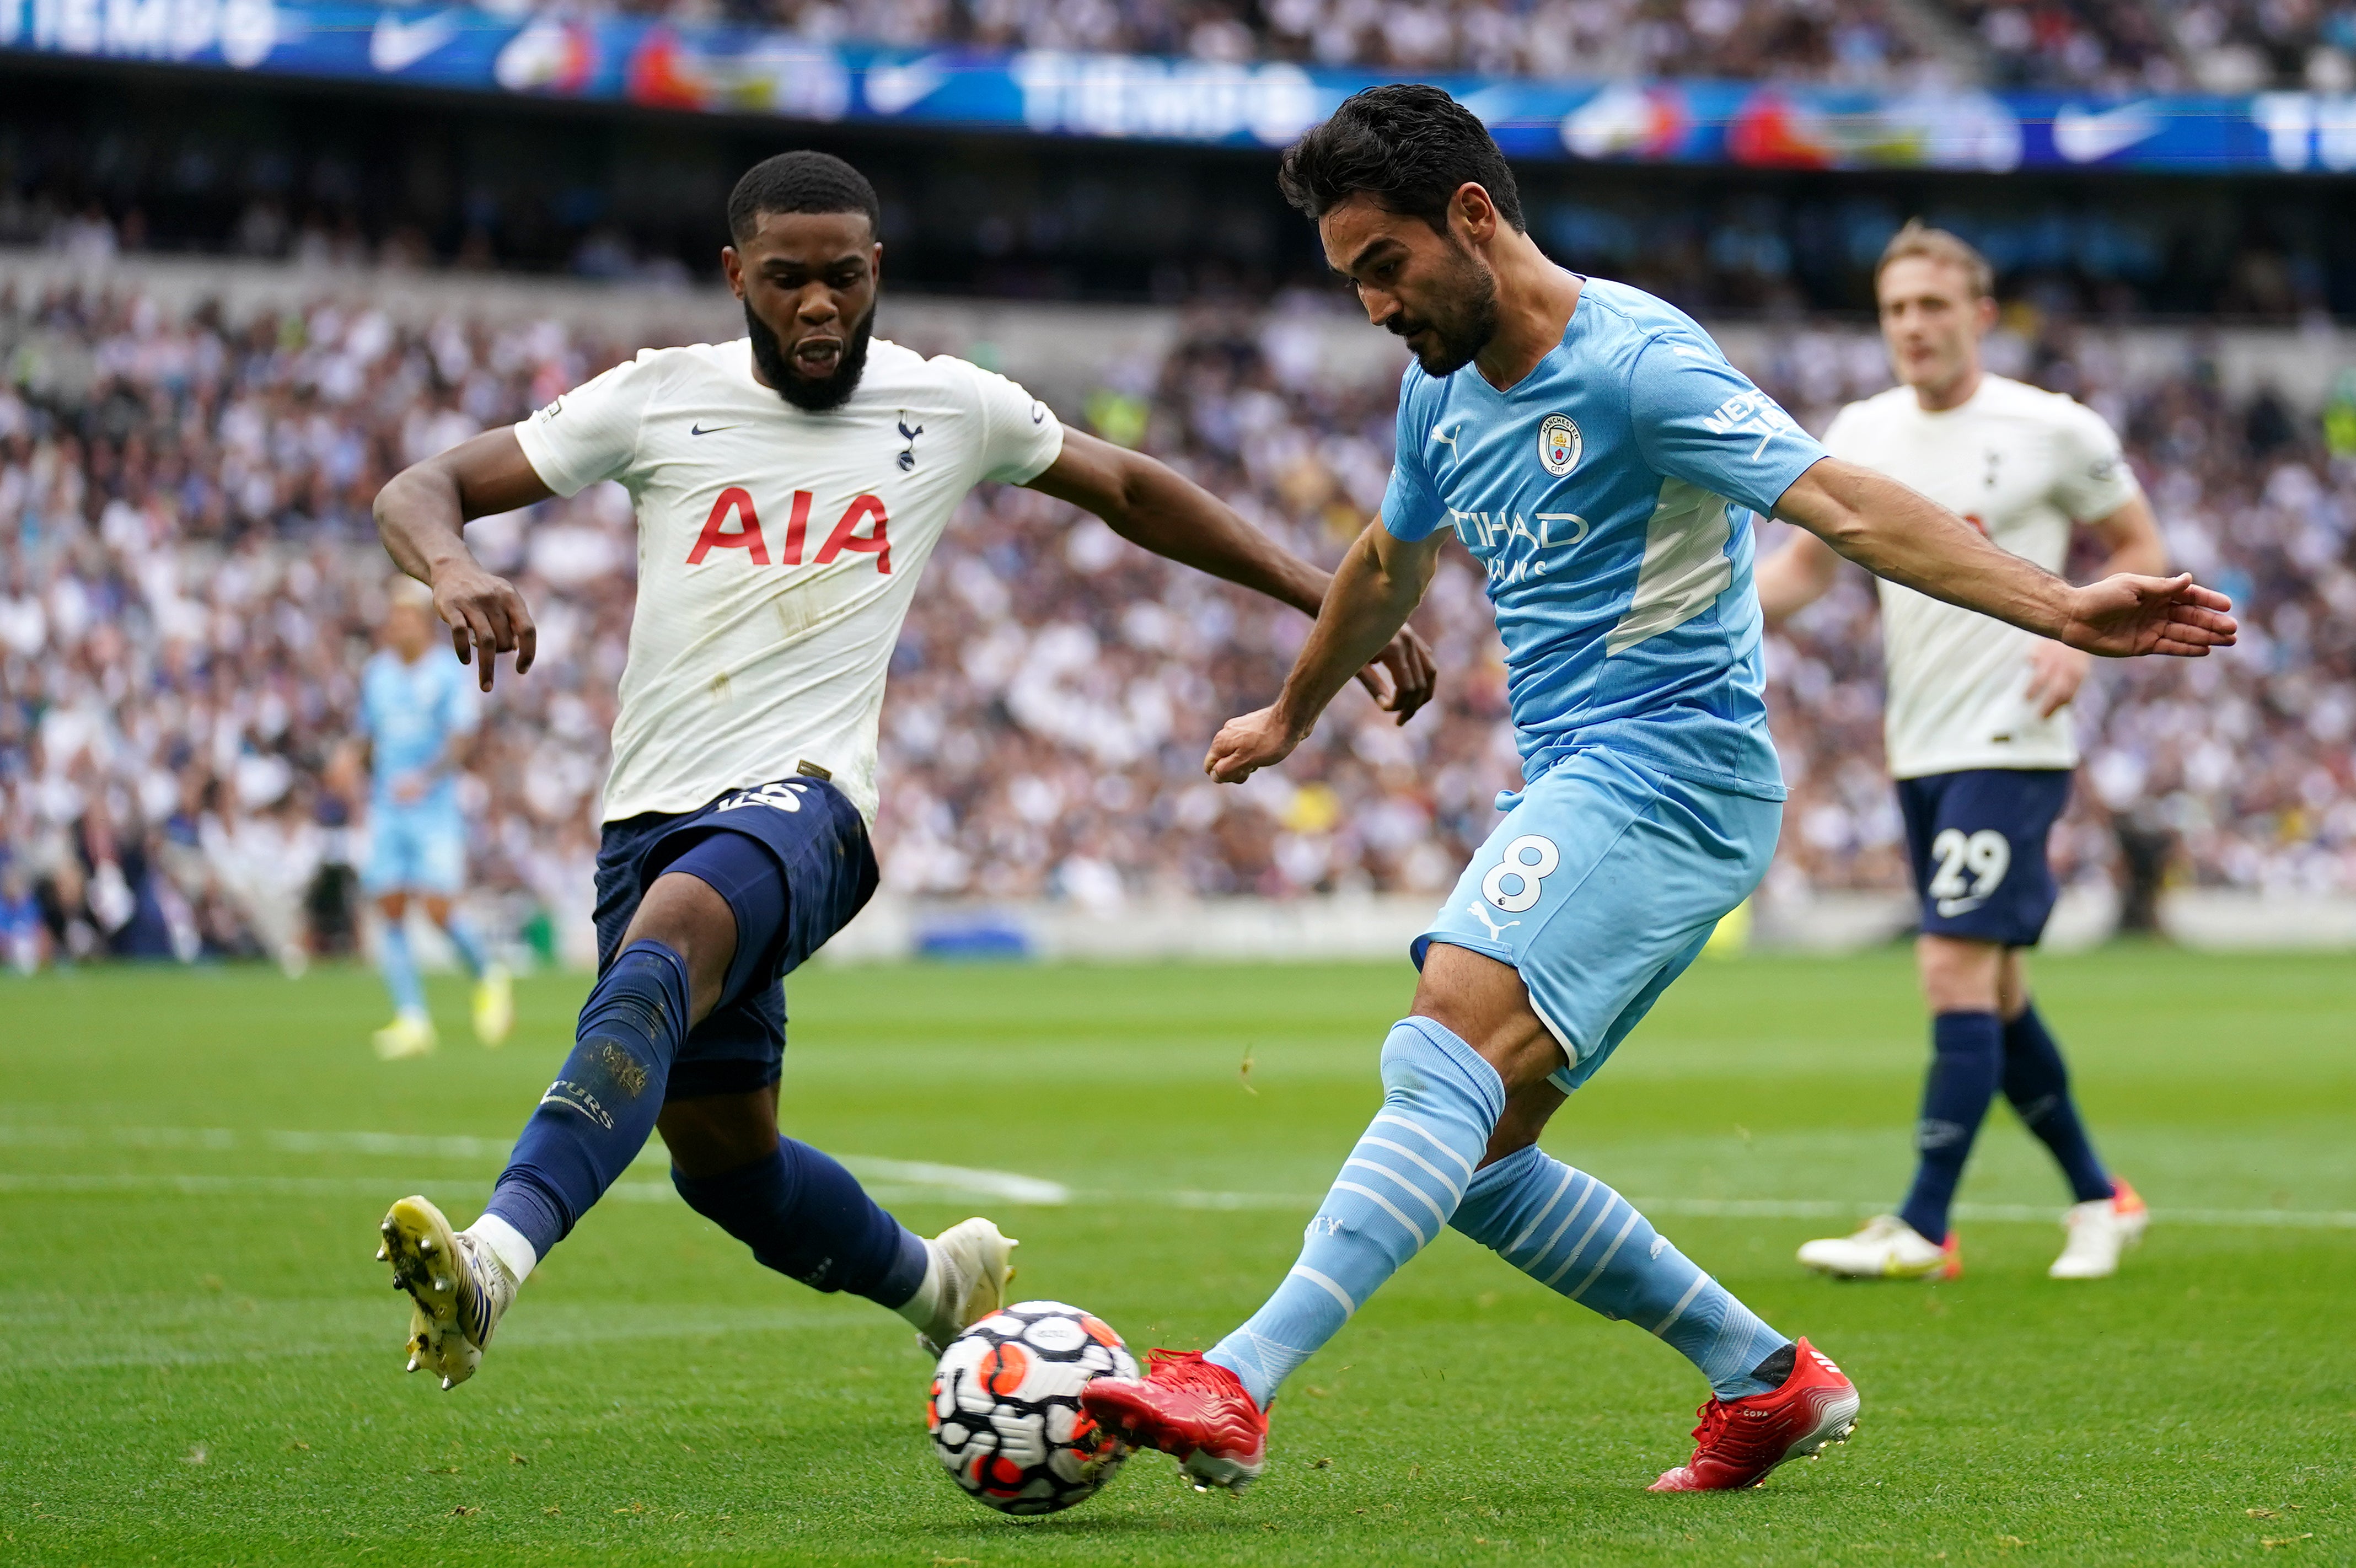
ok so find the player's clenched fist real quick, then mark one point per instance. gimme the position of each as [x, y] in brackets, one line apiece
[486, 616]
[1244, 746]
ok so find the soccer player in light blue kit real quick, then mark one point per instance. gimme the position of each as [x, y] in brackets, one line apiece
[418, 714]
[1596, 453]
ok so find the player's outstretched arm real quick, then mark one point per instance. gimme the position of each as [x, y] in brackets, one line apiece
[420, 515]
[1158, 510]
[1377, 587]
[1893, 532]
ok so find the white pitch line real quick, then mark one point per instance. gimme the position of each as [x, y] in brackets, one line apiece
[907, 1181]
[894, 1180]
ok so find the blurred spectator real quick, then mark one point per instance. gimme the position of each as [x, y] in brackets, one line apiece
[188, 583]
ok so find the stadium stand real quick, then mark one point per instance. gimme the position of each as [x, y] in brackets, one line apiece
[187, 576]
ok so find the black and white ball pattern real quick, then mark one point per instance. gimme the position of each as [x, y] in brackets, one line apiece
[1005, 1407]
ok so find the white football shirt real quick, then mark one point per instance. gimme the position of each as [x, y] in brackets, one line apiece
[777, 550]
[2023, 465]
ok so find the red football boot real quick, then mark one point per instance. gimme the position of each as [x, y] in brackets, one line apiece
[1739, 1440]
[1193, 1410]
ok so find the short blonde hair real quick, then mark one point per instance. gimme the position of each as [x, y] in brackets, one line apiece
[1919, 239]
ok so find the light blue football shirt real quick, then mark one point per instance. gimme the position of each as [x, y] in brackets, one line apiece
[410, 713]
[1608, 495]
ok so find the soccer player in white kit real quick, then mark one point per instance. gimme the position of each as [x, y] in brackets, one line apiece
[1979, 740]
[790, 487]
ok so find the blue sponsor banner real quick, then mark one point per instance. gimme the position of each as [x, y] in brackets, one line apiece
[745, 70]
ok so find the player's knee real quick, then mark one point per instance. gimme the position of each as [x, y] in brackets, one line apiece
[1959, 976]
[714, 1135]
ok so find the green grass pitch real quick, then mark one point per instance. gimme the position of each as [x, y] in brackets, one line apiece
[202, 1365]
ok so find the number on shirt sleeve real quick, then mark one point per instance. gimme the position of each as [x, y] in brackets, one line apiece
[592, 431]
[1699, 419]
[1412, 509]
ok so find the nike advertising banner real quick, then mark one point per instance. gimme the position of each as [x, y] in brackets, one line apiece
[748, 70]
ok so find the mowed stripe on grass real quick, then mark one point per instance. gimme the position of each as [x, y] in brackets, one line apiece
[203, 1362]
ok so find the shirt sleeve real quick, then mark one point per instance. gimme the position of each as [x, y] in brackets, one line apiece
[592, 431]
[1020, 436]
[1411, 507]
[1699, 419]
[2094, 479]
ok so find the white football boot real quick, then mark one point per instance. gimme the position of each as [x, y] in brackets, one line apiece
[494, 1005]
[408, 1035]
[974, 1266]
[458, 1288]
[2100, 1230]
[1886, 1248]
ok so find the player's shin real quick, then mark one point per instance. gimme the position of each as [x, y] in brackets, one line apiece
[2038, 1084]
[1575, 1235]
[398, 965]
[1967, 1060]
[1398, 1188]
[598, 1114]
[807, 1217]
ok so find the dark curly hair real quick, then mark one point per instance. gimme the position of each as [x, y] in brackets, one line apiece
[1409, 147]
[799, 182]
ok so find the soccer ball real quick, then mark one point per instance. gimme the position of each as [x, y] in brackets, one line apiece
[1005, 1412]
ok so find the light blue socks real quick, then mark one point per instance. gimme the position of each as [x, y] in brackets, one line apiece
[461, 933]
[399, 967]
[1397, 1190]
[1573, 1235]
[1414, 1172]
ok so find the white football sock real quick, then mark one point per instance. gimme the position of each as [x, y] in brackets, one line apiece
[921, 1309]
[506, 1243]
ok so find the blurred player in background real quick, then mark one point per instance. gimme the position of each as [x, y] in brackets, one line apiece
[1979, 738]
[790, 487]
[418, 716]
[1601, 459]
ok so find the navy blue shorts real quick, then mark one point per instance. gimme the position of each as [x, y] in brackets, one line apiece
[1977, 841]
[817, 837]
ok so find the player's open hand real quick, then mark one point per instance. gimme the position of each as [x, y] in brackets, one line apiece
[486, 616]
[1402, 675]
[1244, 746]
[2124, 615]
[2055, 674]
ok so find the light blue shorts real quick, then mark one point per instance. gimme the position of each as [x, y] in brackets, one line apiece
[1601, 886]
[415, 849]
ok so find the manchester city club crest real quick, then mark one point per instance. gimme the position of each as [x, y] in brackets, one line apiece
[1558, 444]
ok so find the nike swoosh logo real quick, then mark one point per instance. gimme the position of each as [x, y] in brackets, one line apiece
[396, 45]
[2083, 136]
[715, 430]
[892, 89]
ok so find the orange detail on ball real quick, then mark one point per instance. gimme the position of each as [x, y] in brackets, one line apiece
[1004, 1368]
[1100, 1331]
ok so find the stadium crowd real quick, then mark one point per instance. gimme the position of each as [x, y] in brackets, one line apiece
[188, 580]
[2122, 46]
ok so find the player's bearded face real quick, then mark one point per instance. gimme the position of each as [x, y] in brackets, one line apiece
[1454, 310]
[815, 392]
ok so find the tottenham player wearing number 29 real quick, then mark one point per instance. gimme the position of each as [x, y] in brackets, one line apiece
[1979, 740]
[1596, 454]
[790, 487]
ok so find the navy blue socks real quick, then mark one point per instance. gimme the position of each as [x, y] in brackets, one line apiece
[598, 1114]
[807, 1217]
[2038, 1084]
[1967, 1061]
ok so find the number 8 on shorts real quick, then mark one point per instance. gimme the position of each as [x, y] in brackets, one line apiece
[1529, 859]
